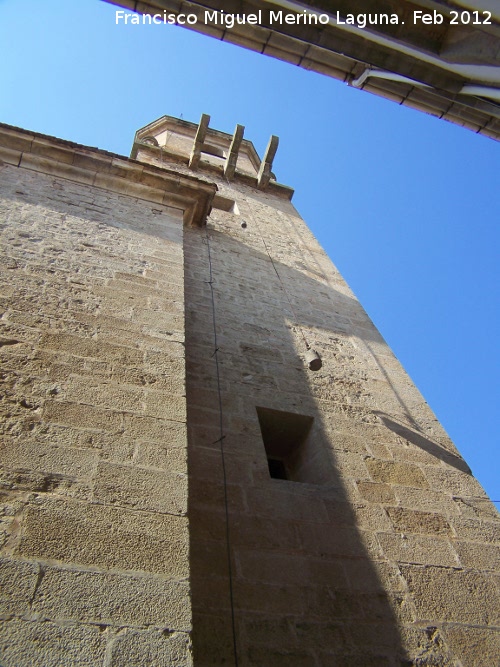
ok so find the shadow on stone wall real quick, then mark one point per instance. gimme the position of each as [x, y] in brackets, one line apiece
[310, 584]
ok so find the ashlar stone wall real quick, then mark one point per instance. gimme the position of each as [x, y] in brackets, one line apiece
[384, 553]
[94, 564]
[177, 486]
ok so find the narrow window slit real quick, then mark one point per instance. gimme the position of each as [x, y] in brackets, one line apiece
[285, 435]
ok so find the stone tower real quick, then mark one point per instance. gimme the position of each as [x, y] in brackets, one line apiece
[209, 454]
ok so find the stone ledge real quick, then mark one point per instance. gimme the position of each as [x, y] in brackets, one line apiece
[92, 166]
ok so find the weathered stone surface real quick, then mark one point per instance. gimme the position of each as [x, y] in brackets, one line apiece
[45, 644]
[374, 576]
[460, 596]
[454, 482]
[18, 581]
[82, 416]
[141, 488]
[408, 521]
[429, 646]
[74, 532]
[478, 647]
[481, 556]
[410, 548]
[40, 457]
[135, 467]
[112, 599]
[393, 472]
[171, 434]
[426, 500]
[350, 465]
[376, 492]
[477, 531]
[136, 648]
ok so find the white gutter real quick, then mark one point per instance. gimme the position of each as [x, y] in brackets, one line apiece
[468, 89]
[381, 74]
[481, 91]
[480, 73]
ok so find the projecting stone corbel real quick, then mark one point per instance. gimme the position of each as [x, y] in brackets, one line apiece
[232, 157]
[199, 140]
[264, 175]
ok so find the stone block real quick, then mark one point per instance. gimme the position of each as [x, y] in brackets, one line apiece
[207, 526]
[341, 512]
[329, 573]
[108, 396]
[375, 635]
[359, 659]
[82, 416]
[113, 599]
[138, 648]
[428, 644]
[369, 576]
[350, 465]
[45, 644]
[427, 523]
[415, 454]
[454, 482]
[380, 451]
[165, 406]
[135, 279]
[376, 493]
[206, 463]
[371, 518]
[287, 501]
[210, 494]
[269, 599]
[10, 156]
[330, 603]
[210, 594]
[418, 549]
[475, 530]
[87, 347]
[208, 559]
[480, 508]
[479, 556]
[253, 533]
[395, 472]
[331, 540]
[153, 455]
[30, 454]
[212, 639]
[141, 488]
[106, 537]
[478, 647]
[152, 378]
[450, 595]
[148, 429]
[426, 500]
[280, 657]
[18, 580]
[45, 148]
[272, 568]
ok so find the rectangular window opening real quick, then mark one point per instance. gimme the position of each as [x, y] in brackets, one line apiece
[285, 436]
[277, 468]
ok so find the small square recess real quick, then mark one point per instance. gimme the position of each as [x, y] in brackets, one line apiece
[285, 435]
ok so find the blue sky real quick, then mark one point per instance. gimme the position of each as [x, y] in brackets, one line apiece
[406, 206]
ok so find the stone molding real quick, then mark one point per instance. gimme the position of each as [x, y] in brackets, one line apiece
[101, 169]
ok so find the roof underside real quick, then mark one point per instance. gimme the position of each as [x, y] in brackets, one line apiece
[449, 71]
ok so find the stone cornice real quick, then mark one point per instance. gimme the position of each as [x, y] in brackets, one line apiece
[275, 188]
[99, 168]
